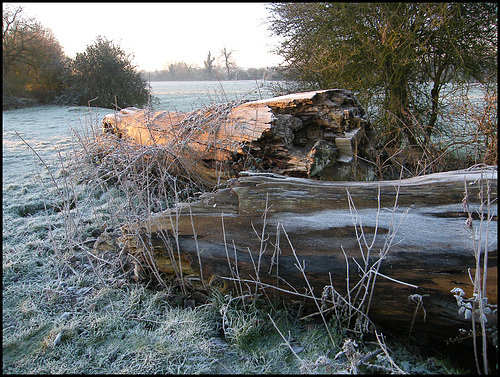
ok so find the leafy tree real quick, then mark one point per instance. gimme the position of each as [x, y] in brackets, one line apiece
[33, 62]
[104, 76]
[388, 54]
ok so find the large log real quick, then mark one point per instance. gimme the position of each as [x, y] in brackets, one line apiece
[316, 134]
[263, 226]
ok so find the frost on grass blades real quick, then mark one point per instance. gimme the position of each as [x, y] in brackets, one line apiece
[28, 189]
[68, 310]
[191, 95]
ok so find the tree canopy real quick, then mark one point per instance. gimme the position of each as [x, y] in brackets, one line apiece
[394, 56]
[32, 61]
[34, 67]
[104, 75]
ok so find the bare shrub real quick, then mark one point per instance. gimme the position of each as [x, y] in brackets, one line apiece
[350, 311]
[465, 135]
[477, 307]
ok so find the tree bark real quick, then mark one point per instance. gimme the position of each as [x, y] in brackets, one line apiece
[254, 234]
[322, 134]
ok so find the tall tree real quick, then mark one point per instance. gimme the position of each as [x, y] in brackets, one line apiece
[459, 43]
[33, 62]
[209, 65]
[228, 60]
[387, 53]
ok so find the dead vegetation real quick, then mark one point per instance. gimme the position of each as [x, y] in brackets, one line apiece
[154, 178]
[116, 325]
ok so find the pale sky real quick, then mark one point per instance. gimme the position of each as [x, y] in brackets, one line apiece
[160, 33]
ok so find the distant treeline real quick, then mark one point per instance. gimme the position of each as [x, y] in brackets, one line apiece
[181, 71]
[36, 71]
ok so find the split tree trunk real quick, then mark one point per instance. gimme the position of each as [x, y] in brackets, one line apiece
[261, 227]
[316, 134]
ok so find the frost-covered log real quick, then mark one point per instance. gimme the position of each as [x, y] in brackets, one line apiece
[316, 134]
[409, 238]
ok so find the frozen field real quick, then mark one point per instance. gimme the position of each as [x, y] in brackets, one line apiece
[49, 130]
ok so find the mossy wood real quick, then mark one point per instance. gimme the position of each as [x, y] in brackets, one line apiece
[320, 134]
[248, 229]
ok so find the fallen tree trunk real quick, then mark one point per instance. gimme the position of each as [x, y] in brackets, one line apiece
[321, 134]
[394, 250]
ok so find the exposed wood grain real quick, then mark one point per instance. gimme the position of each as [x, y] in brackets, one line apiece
[316, 134]
[431, 248]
